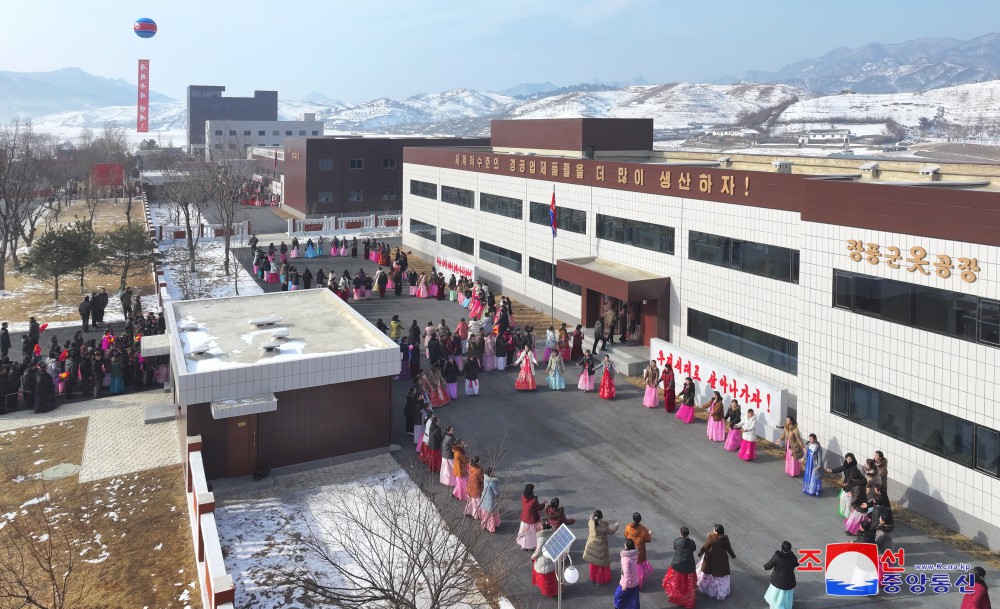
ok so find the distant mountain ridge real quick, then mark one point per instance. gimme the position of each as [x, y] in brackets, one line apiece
[911, 66]
[30, 94]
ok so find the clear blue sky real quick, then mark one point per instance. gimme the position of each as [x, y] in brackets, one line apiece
[363, 49]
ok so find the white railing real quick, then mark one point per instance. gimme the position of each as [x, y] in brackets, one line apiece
[204, 232]
[342, 225]
[217, 588]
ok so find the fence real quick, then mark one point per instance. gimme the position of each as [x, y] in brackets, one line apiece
[361, 225]
[205, 232]
[217, 588]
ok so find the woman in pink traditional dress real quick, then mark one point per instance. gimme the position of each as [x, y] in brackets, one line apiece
[335, 247]
[550, 343]
[794, 450]
[343, 246]
[686, 411]
[652, 379]
[422, 290]
[716, 424]
[490, 353]
[526, 377]
[562, 343]
[489, 503]
[586, 382]
[732, 418]
[748, 443]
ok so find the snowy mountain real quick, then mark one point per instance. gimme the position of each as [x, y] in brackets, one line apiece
[30, 94]
[915, 65]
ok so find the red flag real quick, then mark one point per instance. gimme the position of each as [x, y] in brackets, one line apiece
[552, 213]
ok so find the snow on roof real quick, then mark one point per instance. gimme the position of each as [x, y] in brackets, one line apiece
[317, 323]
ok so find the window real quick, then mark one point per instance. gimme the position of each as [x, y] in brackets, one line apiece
[302, 132]
[388, 194]
[232, 133]
[288, 133]
[218, 132]
[246, 132]
[502, 206]
[325, 196]
[500, 256]
[355, 195]
[424, 230]
[572, 220]
[938, 432]
[638, 234]
[315, 132]
[262, 133]
[769, 261]
[774, 351]
[424, 189]
[457, 196]
[953, 314]
[357, 164]
[457, 241]
[326, 164]
[388, 163]
[542, 271]
[218, 146]
[275, 133]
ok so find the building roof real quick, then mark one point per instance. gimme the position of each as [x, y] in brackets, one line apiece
[316, 322]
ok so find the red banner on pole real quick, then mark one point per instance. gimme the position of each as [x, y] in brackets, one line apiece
[142, 107]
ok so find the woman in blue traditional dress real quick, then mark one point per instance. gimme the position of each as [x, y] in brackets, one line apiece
[310, 249]
[556, 370]
[812, 482]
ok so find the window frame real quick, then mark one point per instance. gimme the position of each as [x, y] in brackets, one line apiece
[423, 229]
[771, 350]
[498, 254]
[419, 188]
[458, 196]
[508, 207]
[459, 242]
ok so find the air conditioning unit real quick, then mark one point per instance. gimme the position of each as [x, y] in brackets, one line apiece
[187, 326]
[271, 347]
[279, 333]
[263, 322]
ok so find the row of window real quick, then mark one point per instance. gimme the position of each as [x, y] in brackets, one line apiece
[500, 256]
[770, 261]
[262, 133]
[543, 271]
[423, 230]
[423, 189]
[458, 196]
[327, 164]
[326, 196]
[645, 235]
[768, 349]
[502, 206]
[948, 436]
[954, 314]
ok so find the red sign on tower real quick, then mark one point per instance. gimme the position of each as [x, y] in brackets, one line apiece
[142, 105]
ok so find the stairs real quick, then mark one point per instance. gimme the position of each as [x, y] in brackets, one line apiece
[630, 358]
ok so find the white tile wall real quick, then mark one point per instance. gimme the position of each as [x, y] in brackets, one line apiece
[952, 375]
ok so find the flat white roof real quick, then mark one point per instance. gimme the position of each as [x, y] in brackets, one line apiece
[306, 323]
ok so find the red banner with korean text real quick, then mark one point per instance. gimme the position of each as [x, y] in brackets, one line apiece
[107, 174]
[142, 102]
[768, 401]
[450, 266]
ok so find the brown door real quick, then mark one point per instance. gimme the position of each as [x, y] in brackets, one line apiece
[241, 446]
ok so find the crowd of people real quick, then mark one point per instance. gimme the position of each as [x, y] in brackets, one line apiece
[111, 363]
[276, 265]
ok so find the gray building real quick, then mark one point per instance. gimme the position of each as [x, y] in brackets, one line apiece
[205, 102]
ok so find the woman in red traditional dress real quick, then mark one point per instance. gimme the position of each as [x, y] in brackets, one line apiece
[526, 377]
[576, 352]
[607, 389]
[669, 393]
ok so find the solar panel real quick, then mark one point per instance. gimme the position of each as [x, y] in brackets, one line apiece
[560, 543]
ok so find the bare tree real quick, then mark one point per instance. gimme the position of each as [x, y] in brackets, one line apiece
[43, 563]
[185, 196]
[19, 185]
[388, 546]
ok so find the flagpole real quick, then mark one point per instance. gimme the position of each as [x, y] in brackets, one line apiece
[552, 284]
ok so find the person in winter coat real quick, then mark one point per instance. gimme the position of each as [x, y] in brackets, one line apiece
[852, 477]
[447, 475]
[461, 470]
[395, 329]
[472, 369]
[4, 341]
[595, 551]
[450, 374]
[29, 384]
[489, 506]
[531, 520]
[34, 332]
[543, 571]
[681, 581]
[713, 577]
[980, 597]
[782, 565]
[640, 536]
[556, 514]
[85, 307]
[45, 391]
[126, 300]
[627, 593]
[475, 488]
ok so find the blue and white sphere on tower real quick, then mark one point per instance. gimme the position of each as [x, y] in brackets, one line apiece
[145, 27]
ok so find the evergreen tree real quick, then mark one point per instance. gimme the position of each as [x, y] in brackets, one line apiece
[126, 247]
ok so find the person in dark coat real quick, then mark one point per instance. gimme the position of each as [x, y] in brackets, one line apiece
[29, 382]
[354, 247]
[782, 565]
[13, 383]
[413, 333]
[599, 335]
[4, 341]
[307, 279]
[86, 372]
[85, 308]
[45, 391]
[397, 282]
[3, 390]
[714, 580]
[126, 300]
[73, 369]
[681, 581]
[100, 302]
[26, 349]
[34, 333]
[98, 367]
[434, 352]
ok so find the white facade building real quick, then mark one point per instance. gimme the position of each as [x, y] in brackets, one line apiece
[875, 306]
[229, 137]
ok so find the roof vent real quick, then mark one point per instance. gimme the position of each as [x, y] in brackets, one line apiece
[782, 166]
[263, 322]
[279, 333]
[199, 350]
[187, 326]
[725, 161]
[931, 172]
[271, 347]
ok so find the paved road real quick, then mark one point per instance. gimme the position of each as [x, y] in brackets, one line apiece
[620, 457]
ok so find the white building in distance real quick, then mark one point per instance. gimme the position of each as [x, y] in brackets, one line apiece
[229, 138]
